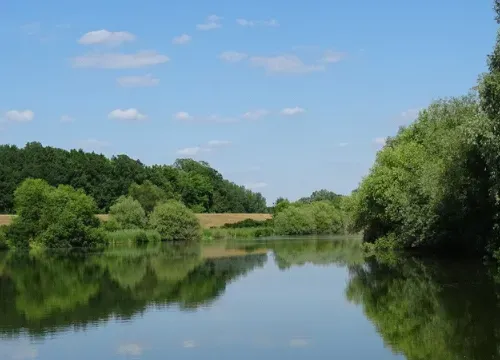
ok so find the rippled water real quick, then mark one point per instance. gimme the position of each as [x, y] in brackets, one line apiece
[286, 299]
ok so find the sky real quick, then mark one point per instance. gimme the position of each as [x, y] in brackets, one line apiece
[284, 97]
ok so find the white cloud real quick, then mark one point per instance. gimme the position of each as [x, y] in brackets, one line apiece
[380, 141]
[182, 39]
[119, 61]
[250, 23]
[212, 22]
[214, 143]
[185, 116]
[232, 56]
[245, 22]
[19, 115]
[343, 144]
[130, 349]
[331, 56]
[285, 64]
[256, 185]
[182, 115]
[138, 81]
[292, 111]
[192, 151]
[255, 114]
[128, 114]
[66, 119]
[105, 37]
[271, 22]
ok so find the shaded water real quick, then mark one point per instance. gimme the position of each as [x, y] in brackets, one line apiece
[287, 299]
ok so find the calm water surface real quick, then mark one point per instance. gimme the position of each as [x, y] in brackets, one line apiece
[293, 299]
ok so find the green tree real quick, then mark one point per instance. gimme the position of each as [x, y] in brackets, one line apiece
[147, 194]
[327, 218]
[295, 220]
[127, 213]
[198, 185]
[280, 204]
[429, 187]
[174, 221]
[52, 217]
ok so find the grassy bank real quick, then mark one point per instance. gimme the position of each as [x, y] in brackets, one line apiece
[236, 233]
[131, 236]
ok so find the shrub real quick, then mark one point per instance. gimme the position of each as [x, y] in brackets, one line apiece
[3, 238]
[52, 217]
[174, 221]
[327, 218]
[147, 194]
[249, 223]
[126, 213]
[295, 220]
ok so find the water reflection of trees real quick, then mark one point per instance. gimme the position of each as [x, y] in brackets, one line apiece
[430, 310]
[288, 253]
[49, 292]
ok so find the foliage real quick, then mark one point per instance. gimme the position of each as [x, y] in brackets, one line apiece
[148, 195]
[321, 217]
[436, 185]
[126, 213]
[280, 205]
[429, 187]
[327, 217]
[295, 220]
[131, 236]
[196, 184]
[52, 217]
[3, 238]
[322, 195]
[174, 221]
[249, 223]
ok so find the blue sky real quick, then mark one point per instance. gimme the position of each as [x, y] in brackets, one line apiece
[286, 97]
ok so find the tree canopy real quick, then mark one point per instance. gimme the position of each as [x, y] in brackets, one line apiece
[200, 187]
[436, 184]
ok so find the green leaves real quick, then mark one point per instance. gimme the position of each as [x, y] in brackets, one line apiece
[127, 213]
[428, 187]
[52, 217]
[199, 186]
[174, 221]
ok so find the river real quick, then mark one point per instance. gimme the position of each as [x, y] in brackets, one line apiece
[277, 299]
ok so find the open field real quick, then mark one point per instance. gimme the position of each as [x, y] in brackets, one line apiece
[211, 220]
[206, 220]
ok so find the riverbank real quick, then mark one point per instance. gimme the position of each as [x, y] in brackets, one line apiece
[207, 221]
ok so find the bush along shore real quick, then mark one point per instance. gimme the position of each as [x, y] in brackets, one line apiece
[64, 217]
[321, 217]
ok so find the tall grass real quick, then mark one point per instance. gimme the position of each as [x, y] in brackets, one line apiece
[235, 233]
[131, 236]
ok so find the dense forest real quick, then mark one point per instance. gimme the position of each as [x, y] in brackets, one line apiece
[435, 185]
[200, 187]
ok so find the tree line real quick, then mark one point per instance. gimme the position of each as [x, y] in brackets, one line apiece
[200, 187]
[435, 186]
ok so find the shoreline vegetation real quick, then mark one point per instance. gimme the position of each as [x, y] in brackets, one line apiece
[49, 217]
[434, 188]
